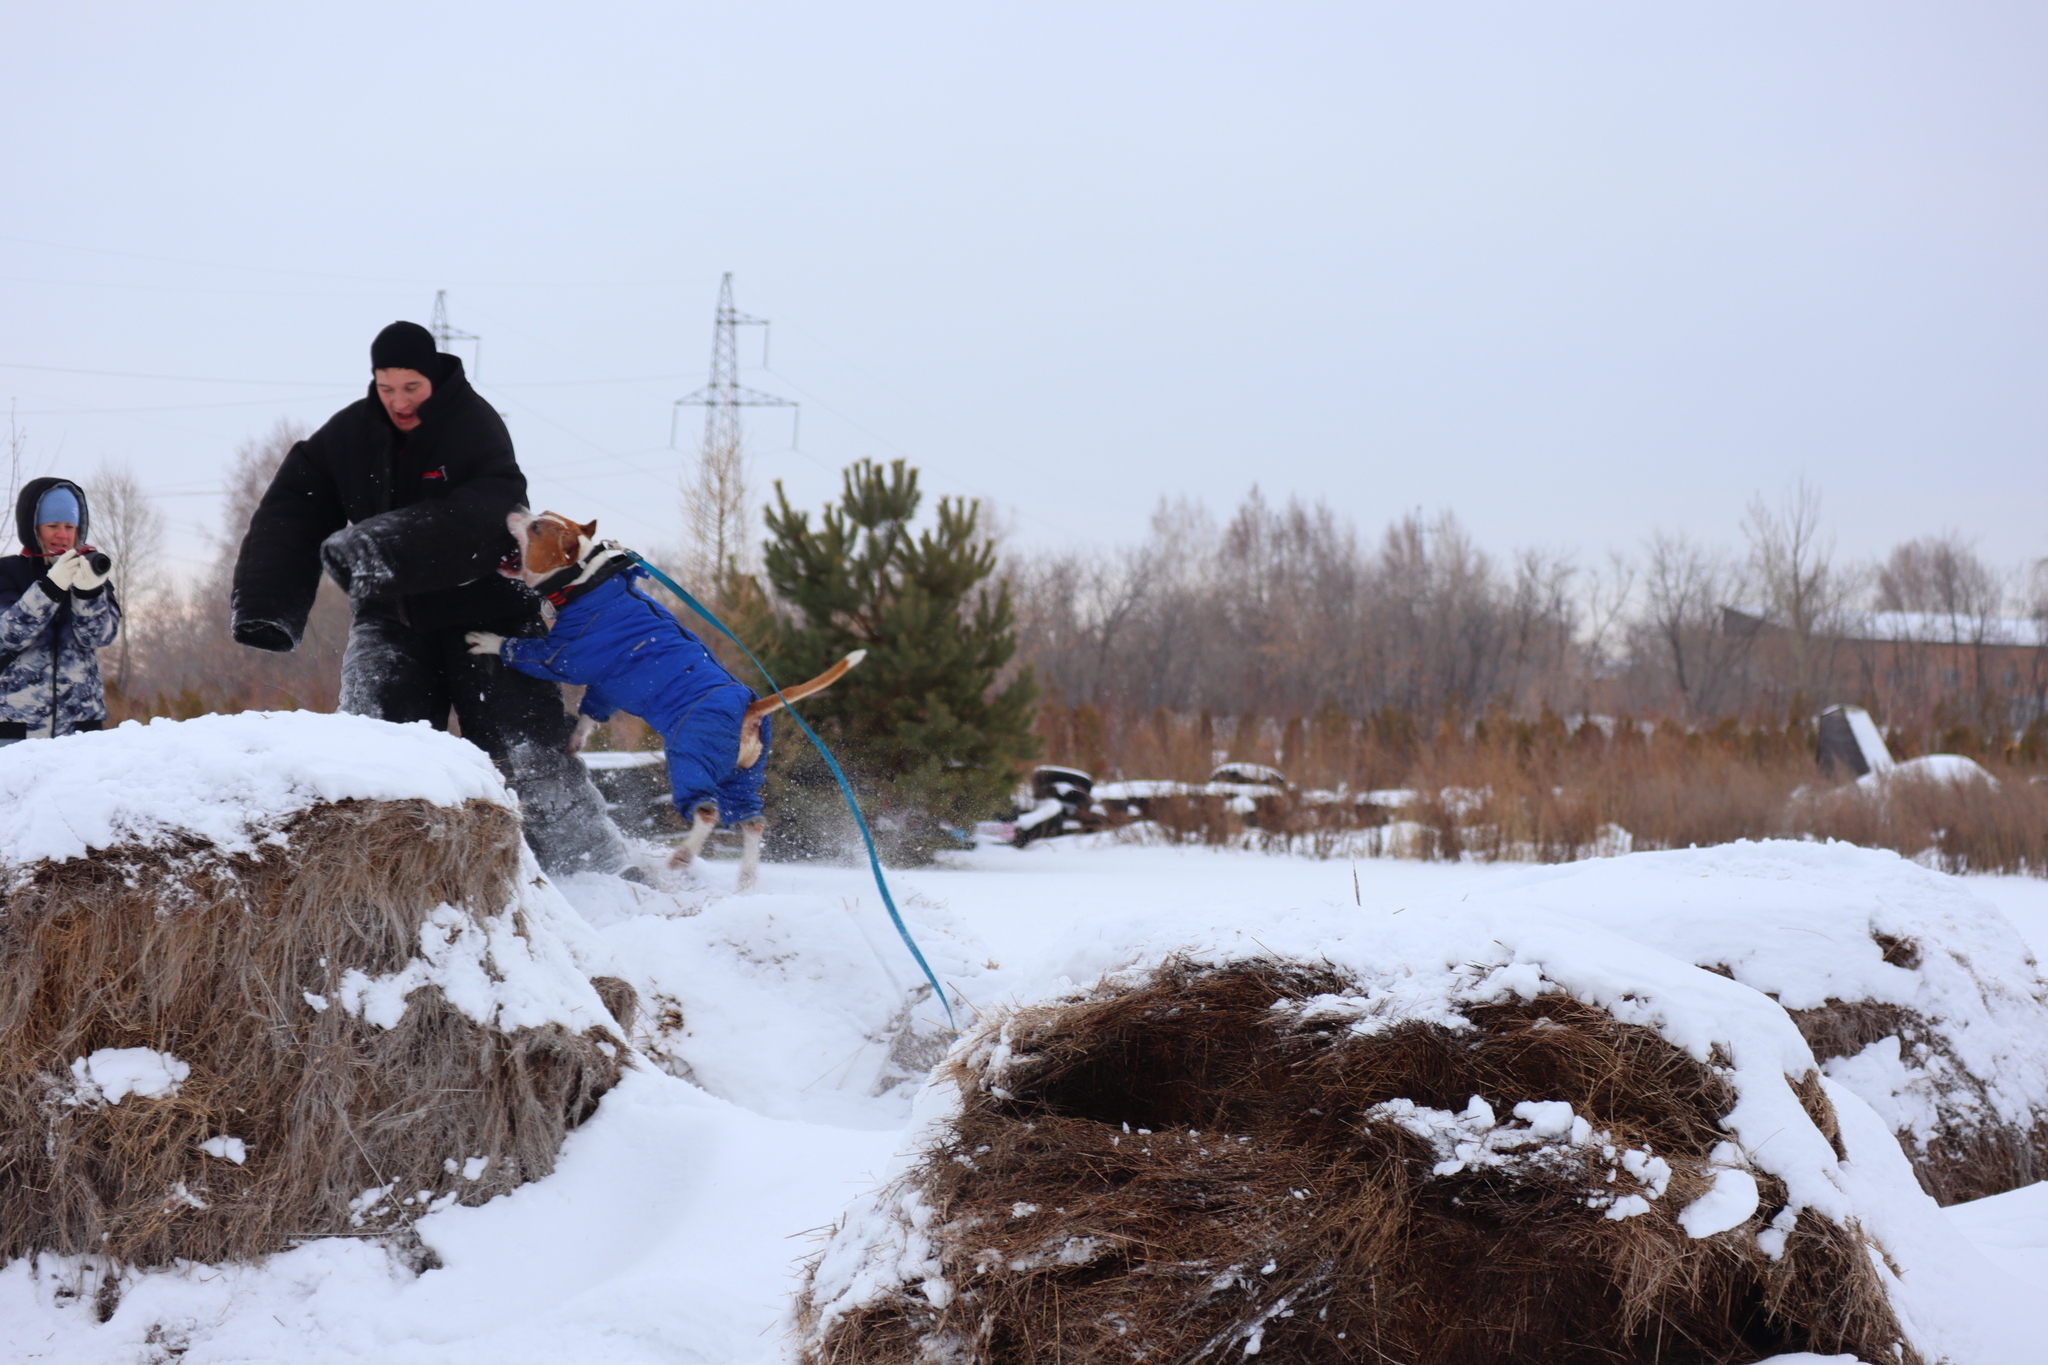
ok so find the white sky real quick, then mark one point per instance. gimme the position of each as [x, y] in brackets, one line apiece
[1575, 271]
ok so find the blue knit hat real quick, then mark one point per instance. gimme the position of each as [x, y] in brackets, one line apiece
[59, 504]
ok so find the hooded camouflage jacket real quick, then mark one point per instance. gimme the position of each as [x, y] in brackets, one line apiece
[48, 667]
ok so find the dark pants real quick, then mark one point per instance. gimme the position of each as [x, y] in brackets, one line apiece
[396, 673]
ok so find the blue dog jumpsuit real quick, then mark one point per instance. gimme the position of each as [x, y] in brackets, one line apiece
[632, 655]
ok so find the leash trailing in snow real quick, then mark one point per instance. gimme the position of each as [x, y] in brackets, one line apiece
[845, 788]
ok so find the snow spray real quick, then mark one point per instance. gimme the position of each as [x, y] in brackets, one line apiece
[874, 861]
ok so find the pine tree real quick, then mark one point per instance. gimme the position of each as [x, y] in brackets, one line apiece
[927, 726]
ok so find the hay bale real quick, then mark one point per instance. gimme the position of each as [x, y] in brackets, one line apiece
[621, 1001]
[1219, 1160]
[1912, 992]
[1967, 1135]
[251, 994]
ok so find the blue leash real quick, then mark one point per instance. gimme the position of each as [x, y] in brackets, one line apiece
[881, 883]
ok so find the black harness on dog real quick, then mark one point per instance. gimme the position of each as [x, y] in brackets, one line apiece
[606, 561]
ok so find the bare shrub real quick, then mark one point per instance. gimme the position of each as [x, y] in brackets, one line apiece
[1958, 826]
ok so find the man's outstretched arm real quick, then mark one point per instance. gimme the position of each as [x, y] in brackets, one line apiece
[277, 572]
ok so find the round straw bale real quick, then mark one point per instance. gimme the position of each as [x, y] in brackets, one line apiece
[326, 1030]
[1212, 1162]
[1910, 989]
[1966, 1136]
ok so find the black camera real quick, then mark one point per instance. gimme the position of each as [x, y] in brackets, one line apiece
[99, 561]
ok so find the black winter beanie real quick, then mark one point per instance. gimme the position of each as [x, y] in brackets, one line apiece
[406, 346]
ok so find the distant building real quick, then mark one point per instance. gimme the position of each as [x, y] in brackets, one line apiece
[1912, 668]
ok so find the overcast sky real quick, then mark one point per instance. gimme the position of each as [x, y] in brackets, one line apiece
[1576, 272]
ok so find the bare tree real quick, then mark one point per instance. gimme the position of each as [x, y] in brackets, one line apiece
[255, 464]
[1544, 621]
[187, 662]
[1948, 606]
[129, 526]
[1280, 611]
[1792, 560]
[1685, 588]
[716, 504]
[1609, 594]
[17, 446]
[1941, 576]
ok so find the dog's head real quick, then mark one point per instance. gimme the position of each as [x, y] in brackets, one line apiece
[548, 543]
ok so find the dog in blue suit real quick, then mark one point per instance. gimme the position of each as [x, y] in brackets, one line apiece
[629, 653]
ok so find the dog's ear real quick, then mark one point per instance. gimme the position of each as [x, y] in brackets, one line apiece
[590, 530]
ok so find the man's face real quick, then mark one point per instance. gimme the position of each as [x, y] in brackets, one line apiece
[402, 392]
[57, 536]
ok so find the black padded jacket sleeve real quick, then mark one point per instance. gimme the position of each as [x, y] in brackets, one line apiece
[443, 541]
[277, 572]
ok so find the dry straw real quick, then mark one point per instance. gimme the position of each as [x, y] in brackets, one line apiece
[1974, 1152]
[1266, 1210]
[232, 964]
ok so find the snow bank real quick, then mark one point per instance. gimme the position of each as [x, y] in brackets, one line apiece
[1952, 768]
[1916, 993]
[228, 781]
[670, 1227]
[797, 1006]
[1809, 923]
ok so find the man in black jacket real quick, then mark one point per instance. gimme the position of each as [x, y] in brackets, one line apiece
[403, 496]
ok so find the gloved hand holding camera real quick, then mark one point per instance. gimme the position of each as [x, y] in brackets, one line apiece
[76, 572]
[97, 566]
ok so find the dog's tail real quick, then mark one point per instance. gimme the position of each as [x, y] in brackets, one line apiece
[750, 724]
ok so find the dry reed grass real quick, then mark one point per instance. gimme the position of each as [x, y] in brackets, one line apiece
[223, 961]
[1508, 788]
[1174, 1172]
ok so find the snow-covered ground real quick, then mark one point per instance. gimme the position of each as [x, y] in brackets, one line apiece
[673, 1227]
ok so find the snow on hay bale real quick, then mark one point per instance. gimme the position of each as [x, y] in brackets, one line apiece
[1912, 992]
[272, 977]
[1458, 1163]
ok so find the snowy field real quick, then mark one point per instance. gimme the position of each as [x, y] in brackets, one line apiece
[675, 1223]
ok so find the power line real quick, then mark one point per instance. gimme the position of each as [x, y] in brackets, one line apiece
[554, 471]
[333, 275]
[204, 265]
[173, 378]
[177, 407]
[199, 289]
[585, 383]
[882, 440]
[328, 384]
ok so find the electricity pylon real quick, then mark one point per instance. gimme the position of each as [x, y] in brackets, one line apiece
[724, 396]
[443, 333]
[716, 497]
